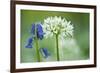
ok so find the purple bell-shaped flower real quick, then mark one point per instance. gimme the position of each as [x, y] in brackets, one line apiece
[29, 44]
[45, 52]
[40, 33]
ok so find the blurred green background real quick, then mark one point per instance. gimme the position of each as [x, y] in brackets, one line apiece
[74, 49]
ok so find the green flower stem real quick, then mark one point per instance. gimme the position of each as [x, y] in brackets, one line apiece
[57, 47]
[37, 46]
[37, 50]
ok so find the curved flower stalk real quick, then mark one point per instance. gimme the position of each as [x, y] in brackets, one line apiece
[37, 34]
[58, 27]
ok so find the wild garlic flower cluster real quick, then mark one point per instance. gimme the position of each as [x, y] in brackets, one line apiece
[57, 26]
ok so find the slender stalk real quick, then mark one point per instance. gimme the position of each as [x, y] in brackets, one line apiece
[37, 50]
[57, 47]
[36, 45]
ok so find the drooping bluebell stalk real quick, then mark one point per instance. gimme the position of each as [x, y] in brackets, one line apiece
[45, 52]
[36, 34]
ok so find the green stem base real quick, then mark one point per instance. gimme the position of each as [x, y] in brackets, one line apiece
[57, 48]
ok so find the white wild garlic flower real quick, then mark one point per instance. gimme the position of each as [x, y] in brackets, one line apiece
[57, 26]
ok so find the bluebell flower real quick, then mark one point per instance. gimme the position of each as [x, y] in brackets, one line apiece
[37, 33]
[39, 29]
[33, 29]
[45, 52]
[29, 44]
[40, 33]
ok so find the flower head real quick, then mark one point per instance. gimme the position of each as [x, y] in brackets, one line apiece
[29, 43]
[39, 34]
[57, 25]
[33, 29]
[45, 52]
[39, 31]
